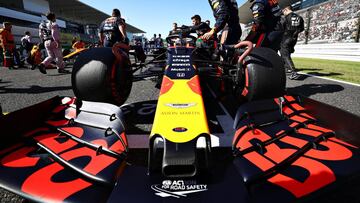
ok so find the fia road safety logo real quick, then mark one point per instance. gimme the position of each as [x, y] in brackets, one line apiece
[177, 188]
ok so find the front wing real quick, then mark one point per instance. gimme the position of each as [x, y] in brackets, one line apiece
[57, 151]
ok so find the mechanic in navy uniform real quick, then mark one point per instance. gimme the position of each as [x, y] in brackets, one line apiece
[266, 30]
[200, 28]
[292, 24]
[113, 30]
[227, 21]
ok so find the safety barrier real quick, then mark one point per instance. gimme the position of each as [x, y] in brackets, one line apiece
[337, 51]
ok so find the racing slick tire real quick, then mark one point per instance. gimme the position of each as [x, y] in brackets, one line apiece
[263, 76]
[97, 76]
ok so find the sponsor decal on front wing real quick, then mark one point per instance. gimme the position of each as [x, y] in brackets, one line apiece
[180, 106]
[178, 188]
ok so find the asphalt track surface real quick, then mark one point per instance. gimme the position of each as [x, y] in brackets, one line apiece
[20, 88]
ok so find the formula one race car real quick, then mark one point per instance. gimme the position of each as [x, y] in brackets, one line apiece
[277, 147]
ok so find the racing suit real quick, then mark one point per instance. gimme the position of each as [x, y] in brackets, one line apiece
[292, 24]
[110, 29]
[227, 19]
[7, 44]
[50, 34]
[266, 30]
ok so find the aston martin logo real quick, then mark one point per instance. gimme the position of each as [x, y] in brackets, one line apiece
[180, 105]
[177, 188]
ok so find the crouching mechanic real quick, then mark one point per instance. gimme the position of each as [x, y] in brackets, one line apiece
[113, 30]
[227, 21]
[292, 24]
[50, 33]
[78, 45]
[266, 30]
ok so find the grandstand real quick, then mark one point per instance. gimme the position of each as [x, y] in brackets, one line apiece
[73, 18]
[326, 21]
[333, 21]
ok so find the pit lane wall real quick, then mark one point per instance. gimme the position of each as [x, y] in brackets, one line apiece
[331, 51]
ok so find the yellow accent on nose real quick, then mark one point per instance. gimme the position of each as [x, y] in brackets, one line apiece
[192, 116]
